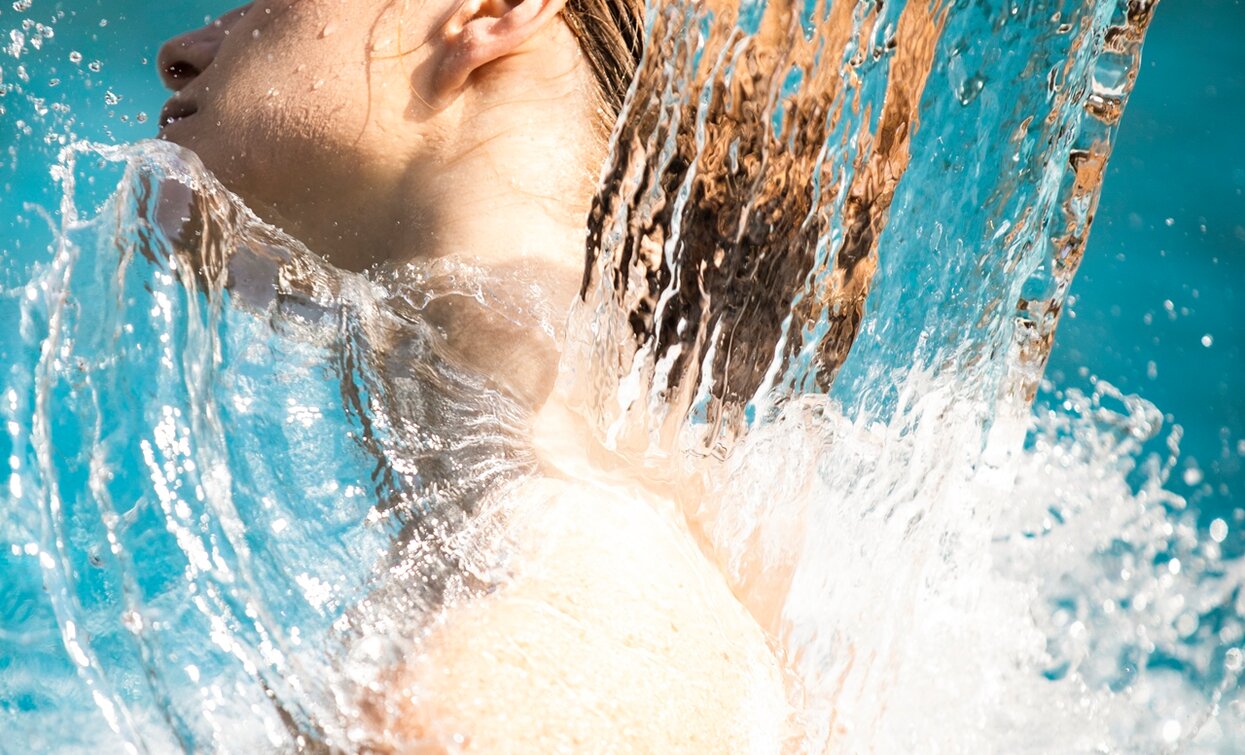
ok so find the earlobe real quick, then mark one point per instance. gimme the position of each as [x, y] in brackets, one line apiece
[483, 31]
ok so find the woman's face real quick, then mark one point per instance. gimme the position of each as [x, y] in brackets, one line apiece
[311, 110]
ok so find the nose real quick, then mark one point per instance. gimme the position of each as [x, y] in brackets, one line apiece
[184, 57]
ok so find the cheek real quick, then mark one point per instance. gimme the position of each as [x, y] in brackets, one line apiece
[296, 134]
[302, 115]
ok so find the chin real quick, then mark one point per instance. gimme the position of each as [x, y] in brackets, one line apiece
[179, 132]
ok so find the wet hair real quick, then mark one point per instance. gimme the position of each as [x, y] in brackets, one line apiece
[705, 231]
[611, 35]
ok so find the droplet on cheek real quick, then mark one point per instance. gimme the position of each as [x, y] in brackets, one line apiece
[328, 29]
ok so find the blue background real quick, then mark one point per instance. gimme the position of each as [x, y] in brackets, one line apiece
[1171, 228]
[1165, 267]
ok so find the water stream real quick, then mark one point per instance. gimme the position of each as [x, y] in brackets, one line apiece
[826, 266]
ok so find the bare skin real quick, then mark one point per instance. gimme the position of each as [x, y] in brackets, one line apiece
[370, 129]
[387, 131]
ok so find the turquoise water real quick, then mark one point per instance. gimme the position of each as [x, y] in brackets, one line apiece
[1171, 228]
[1179, 157]
[218, 591]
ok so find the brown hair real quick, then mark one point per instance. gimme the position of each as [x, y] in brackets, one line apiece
[710, 251]
[611, 35]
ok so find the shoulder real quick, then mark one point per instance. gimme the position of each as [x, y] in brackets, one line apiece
[614, 635]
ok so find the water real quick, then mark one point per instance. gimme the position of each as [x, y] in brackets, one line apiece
[1166, 232]
[205, 486]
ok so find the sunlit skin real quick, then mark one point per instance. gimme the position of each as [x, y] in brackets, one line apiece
[383, 131]
[370, 130]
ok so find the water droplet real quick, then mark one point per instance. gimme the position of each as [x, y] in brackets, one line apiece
[971, 87]
[1234, 660]
[328, 29]
[17, 43]
[133, 621]
[1218, 530]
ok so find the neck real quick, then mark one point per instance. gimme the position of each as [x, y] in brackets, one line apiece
[507, 191]
[512, 190]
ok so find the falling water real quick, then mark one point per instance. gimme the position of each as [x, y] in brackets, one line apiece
[825, 268]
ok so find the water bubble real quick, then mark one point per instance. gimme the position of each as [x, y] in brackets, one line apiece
[971, 87]
[1208, 340]
[1234, 660]
[95, 66]
[141, 117]
[1169, 222]
[75, 56]
[22, 5]
[1218, 530]
[1192, 476]
[111, 97]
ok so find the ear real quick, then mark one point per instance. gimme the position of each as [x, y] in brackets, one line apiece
[482, 31]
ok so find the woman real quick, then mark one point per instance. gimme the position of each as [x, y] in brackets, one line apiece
[386, 133]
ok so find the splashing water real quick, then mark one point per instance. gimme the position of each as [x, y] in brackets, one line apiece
[826, 267]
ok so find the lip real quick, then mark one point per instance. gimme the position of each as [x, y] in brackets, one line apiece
[176, 109]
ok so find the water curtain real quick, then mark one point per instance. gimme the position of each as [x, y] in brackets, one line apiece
[822, 198]
[824, 268]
